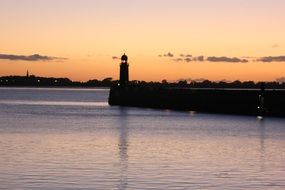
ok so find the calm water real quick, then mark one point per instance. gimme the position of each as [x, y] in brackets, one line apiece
[72, 139]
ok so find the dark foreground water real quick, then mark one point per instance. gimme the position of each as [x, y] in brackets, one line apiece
[72, 139]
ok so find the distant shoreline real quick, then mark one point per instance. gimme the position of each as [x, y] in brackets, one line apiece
[107, 88]
[33, 81]
[54, 87]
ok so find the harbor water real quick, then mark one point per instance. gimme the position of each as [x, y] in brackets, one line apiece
[72, 139]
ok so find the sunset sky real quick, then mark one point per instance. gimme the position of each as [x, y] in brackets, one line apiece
[78, 39]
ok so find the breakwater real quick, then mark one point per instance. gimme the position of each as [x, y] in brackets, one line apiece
[228, 101]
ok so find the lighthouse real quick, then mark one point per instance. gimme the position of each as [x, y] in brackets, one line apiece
[124, 70]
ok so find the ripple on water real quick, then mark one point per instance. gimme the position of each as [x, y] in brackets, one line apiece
[51, 142]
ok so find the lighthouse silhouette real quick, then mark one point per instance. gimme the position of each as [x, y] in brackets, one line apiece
[124, 70]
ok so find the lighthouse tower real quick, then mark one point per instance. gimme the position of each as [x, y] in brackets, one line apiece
[124, 70]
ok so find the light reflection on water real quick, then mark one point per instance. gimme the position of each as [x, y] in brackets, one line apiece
[64, 143]
[55, 103]
[123, 148]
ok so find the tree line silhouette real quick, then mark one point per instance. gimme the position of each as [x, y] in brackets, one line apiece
[35, 81]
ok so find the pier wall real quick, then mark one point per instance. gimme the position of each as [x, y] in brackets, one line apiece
[231, 101]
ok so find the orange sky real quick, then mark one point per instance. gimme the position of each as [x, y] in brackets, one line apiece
[90, 32]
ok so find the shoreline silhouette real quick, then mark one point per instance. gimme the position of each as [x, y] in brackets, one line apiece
[37, 81]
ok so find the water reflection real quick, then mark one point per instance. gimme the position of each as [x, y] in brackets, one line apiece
[262, 143]
[102, 147]
[123, 148]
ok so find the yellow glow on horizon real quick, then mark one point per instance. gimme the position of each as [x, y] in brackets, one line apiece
[90, 35]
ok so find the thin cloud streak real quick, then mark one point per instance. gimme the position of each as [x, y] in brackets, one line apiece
[272, 59]
[187, 55]
[199, 58]
[35, 57]
[223, 59]
[227, 59]
[167, 55]
[115, 57]
[189, 58]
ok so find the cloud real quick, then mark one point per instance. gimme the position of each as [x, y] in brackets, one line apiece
[178, 60]
[115, 57]
[35, 57]
[227, 59]
[245, 59]
[188, 59]
[199, 58]
[272, 59]
[187, 55]
[249, 57]
[167, 55]
[275, 46]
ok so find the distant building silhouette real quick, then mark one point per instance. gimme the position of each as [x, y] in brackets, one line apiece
[28, 75]
[124, 70]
